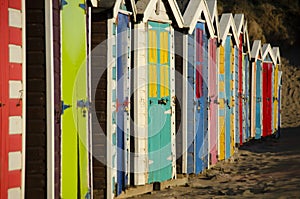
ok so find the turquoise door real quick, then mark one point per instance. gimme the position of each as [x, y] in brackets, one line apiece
[258, 99]
[159, 106]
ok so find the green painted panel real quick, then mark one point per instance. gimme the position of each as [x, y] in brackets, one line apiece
[75, 169]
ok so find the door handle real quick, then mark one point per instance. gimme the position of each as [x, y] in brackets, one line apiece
[1, 104]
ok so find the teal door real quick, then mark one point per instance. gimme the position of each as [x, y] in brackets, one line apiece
[159, 106]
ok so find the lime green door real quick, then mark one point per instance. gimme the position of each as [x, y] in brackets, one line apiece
[74, 145]
[159, 106]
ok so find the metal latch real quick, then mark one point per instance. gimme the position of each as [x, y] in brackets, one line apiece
[64, 107]
[84, 105]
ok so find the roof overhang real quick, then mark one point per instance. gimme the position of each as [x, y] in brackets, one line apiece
[193, 14]
[227, 24]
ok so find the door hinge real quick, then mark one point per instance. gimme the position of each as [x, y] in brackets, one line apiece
[64, 107]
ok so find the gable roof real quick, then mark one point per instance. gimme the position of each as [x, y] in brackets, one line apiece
[114, 5]
[213, 11]
[227, 23]
[144, 8]
[276, 52]
[267, 50]
[193, 13]
[256, 50]
[239, 21]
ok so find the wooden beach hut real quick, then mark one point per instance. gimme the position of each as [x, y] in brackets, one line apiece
[197, 136]
[12, 99]
[154, 91]
[256, 90]
[243, 80]
[276, 94]
[267, 91]
[110, 50]
[229, 41]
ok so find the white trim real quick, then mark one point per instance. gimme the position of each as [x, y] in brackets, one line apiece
[173, 101]
[50, 100]
[89, 90]
[184, 102]
[227, 22]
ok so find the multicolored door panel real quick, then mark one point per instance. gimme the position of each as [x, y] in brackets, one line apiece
[241, 80]
[246, 97]
[258, 123]
[123, 100]
[159, 106]
[201, 92]
[75, 105]
[222, 104]
[237, 102]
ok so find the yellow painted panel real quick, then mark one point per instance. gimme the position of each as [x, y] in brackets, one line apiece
[222, 57]
[164, 46]
[222, 86]
[152, 81]
[222, 138]
[164, 81]
[152, 46]
[276, 96]
[232, 136]
[222, 104]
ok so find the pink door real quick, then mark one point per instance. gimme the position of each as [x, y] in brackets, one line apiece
[213, 106]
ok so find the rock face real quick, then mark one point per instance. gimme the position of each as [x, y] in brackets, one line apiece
[290, 110]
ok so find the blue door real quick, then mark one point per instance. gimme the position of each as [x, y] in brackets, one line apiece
[227, 96]
[236, 97]
[122, 100]
[246, 99]
[258, 99]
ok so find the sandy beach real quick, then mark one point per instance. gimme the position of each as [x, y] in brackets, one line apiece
[268, 168]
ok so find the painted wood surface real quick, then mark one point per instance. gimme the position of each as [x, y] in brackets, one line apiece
[275, 98]
[222, 104]
[241, 79]
[258, 106]
[191, 104]
[228, 100]
[267, 98]
[213, 98]
[123, 101]
[75, 168]
[236, 99]
[159, 98]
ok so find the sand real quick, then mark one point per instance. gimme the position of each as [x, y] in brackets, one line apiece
[268, 168]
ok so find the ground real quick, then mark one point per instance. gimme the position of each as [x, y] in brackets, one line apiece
[268, 168]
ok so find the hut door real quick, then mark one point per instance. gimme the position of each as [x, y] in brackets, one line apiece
[159, 106]
[270, 98]
[258, 99]
[75, 104]
[123, 96]
[267, 95]
[200, 101]
[213, 97]
[227, 96]
[191, 105]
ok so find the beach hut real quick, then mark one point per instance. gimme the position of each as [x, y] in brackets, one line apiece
[243, 81]
[200, 33]
[213, 68]
[12, 99]
[256, 90]
[227, 68]
[267, 91]
[154, 91]
[111, 25]
[276, 94]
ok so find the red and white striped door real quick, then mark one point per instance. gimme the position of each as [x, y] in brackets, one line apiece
[11, 94]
